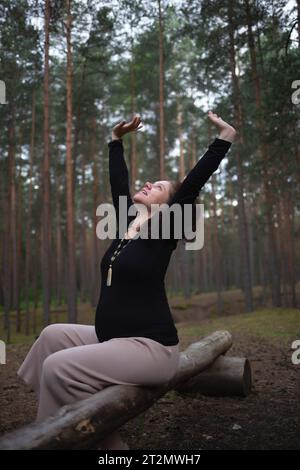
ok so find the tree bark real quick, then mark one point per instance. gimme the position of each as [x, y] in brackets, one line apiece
[28, 260]
[95, 256]
[133, 157]
[72, 306]
[161, 97]
[243, 224]
[46, 181]
[298, 18]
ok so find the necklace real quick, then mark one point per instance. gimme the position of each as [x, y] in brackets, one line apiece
[115, 254]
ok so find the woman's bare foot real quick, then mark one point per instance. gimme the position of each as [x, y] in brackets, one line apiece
[227, 132]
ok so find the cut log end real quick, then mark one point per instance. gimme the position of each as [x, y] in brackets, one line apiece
[226, 376]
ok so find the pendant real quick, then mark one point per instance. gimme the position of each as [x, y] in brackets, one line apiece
[109, 275]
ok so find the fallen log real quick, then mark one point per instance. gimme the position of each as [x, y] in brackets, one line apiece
[82, 425]
[226, 376]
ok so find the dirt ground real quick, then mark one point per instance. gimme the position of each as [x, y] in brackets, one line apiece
[269, 418]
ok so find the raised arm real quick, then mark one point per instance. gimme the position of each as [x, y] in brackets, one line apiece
[208, 164]
[202, 171]
[205, 167]
[118, 175]
[118, 172]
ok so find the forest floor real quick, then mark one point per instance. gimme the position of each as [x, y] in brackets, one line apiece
[269, 418]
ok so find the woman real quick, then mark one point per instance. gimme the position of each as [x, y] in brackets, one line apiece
[134, 340]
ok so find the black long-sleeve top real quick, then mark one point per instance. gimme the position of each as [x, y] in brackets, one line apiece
[136, 303]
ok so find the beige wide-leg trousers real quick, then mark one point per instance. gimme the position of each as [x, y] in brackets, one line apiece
[67, 363]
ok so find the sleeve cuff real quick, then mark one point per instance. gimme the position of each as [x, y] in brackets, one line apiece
[116, 142]
[220, 144]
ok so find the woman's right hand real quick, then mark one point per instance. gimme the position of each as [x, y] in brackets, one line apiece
[124, 127]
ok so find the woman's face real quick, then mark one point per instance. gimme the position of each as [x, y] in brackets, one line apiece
[154, 193]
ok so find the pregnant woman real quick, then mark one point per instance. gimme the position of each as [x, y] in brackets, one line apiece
[134, 340]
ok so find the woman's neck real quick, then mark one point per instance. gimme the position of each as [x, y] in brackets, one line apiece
[139, 220]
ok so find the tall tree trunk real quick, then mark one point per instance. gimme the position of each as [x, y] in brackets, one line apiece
[184, 256]
[19, 213]
[193, 158]
[95, 260]
[28, 260]
[298, 18]
[217, 270]
[286, 212]
[7, 258]
[72, 306]
[46, 180]
[180, 138]
[161, 97]
[133, 165]
[216, 249]
[196, 258]
[243, 226]
[78, 125]
[13, 216]
[83, 236]
[59, 251]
